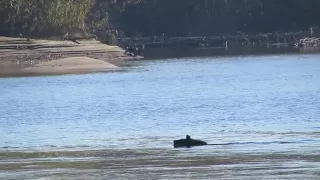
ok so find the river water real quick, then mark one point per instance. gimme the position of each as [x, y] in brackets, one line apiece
[262, 111]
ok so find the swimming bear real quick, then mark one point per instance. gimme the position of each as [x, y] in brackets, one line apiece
[188, 142]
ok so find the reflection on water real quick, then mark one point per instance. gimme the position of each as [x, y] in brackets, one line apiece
[261, 112]
[164, 53]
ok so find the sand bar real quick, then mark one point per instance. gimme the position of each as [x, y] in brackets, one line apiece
[73, 65]
[25, 57]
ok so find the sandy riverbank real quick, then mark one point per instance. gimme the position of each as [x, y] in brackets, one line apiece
[25, 57]
[73, 65]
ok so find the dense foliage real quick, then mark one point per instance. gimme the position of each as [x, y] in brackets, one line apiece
[42, 17]
[155, 17]
[216, 17]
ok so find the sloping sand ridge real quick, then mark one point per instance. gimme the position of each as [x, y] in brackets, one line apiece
[70, 65]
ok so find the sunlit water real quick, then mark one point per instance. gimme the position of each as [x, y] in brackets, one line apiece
[264, 111]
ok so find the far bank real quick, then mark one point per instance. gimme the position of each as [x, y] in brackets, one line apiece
[23, 56]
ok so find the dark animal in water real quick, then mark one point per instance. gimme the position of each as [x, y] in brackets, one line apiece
[188, 142]
[140, 50]
[134, 50]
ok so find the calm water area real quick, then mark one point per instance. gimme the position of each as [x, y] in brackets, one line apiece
[263, 110]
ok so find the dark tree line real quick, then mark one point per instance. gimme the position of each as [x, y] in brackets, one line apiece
[216, 17]
[45, 18]
[156, 17]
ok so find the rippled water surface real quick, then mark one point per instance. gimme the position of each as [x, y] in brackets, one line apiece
[262, 111]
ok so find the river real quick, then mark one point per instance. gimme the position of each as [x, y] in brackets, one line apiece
[263, 110]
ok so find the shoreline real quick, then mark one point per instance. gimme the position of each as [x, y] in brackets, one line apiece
[73, 65]
[34, 57]
[18, 55]
[264, 40]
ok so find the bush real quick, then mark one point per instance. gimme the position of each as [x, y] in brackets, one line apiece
[42, 17]
[110, 38]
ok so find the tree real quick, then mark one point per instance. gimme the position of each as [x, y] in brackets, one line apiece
[41, 17]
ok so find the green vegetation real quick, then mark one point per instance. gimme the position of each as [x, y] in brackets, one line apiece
[218, 17]
[43, 18]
